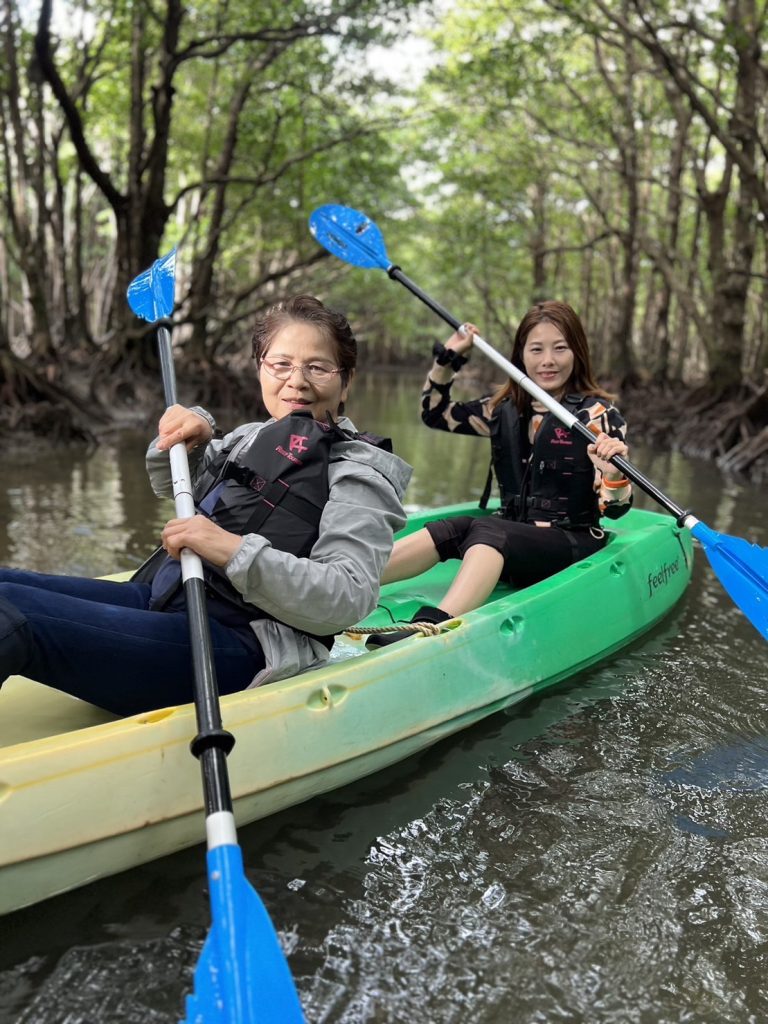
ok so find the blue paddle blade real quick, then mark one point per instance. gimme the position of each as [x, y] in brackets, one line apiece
[242, 976]
[350, 235]
[150, 295]
[742, 568]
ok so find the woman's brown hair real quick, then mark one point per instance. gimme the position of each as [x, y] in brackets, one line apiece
[333, 325]
[564, 318]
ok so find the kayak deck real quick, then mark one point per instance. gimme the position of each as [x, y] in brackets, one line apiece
[84, 794]
[31, 711]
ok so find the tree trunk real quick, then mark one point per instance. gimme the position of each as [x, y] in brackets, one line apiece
[659, 332]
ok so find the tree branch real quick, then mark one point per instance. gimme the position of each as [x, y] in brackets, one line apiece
[51, 75]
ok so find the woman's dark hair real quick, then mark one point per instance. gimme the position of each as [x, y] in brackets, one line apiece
[570, 326]
[333, 325]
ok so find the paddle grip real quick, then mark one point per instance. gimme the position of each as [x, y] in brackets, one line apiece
[634, 474]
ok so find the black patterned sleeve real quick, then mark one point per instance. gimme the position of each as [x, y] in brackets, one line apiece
[440, 413]
[614, 501]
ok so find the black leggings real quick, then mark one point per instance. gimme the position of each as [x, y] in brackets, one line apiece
[531, 553]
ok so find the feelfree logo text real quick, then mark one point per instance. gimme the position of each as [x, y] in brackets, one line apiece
[662, 575]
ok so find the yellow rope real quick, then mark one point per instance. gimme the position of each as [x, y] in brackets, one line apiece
[425, 628]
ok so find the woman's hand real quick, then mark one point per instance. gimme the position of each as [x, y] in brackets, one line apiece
[461, 341]
[181, 424]
[604, 448]
[203, 536]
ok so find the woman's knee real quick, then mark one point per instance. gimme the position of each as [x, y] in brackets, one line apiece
[448, 535]
[12, 576]
[15, 639]
[10, 591]
[490, 532]
[14, 583]
[17, 595]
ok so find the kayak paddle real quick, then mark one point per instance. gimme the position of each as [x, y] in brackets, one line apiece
[242, 976]
[741, 567]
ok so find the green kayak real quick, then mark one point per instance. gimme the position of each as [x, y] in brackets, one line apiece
[84, 794]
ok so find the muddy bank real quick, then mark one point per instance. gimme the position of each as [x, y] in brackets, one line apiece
[730, 430]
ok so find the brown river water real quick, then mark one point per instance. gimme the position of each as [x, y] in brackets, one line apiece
[597, 854]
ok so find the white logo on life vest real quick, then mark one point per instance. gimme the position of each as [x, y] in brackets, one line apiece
[562, 436]
[660, 578]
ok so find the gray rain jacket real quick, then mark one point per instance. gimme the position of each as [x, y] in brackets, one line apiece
[338, 584]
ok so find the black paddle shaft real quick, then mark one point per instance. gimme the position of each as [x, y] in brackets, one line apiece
[626, 467]
[213, 742]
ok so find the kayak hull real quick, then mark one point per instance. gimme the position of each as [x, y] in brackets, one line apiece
[84, 795]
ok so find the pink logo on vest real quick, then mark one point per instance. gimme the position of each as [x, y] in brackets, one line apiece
[562, 436]
[298, 443]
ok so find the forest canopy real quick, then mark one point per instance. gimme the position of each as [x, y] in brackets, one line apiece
[611, 153]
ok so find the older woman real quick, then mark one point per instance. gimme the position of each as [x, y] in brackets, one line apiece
[284, 573]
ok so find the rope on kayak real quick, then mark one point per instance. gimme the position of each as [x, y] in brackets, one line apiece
[425, 628]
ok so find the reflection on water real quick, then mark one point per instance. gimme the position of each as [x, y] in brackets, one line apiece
[597, 854]
[79, 512]
[93, 512]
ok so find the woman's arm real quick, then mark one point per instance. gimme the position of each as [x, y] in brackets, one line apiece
[200, 453]
[438, 411]
[614, 490]
[195, 427]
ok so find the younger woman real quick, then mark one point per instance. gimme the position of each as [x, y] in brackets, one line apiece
[554, 488]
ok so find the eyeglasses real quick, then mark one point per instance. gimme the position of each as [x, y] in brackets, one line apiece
[314, 373]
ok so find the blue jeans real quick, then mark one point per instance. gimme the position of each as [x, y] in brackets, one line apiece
[96, 640]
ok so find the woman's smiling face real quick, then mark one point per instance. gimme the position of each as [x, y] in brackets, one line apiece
[301, 344]
[548, 359]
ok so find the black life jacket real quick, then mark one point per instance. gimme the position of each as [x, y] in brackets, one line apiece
[276, 486]
[550, 481]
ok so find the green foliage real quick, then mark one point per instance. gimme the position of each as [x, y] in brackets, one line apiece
[549, 131]
[549, 150]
